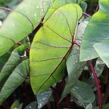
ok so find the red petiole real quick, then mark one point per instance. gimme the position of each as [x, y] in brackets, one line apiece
[97, 84]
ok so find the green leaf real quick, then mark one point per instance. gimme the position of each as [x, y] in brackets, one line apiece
[11, 64]
[15, 79]
[51, 45]
[83, 93]
[96, 31]
[43, 98]
[102, 49]
[21, 22]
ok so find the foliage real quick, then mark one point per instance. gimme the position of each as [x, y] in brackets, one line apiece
[56, 47]
[46, 44]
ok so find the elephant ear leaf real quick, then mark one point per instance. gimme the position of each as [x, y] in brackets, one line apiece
[21, 22]
[51, 46]
[96, 31]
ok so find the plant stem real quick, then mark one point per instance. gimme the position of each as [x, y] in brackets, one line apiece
[97, 84]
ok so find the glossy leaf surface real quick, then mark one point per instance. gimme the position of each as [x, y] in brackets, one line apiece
[96, 31]
[51, 46]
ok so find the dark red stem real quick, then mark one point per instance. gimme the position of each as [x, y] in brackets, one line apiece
[97, 84]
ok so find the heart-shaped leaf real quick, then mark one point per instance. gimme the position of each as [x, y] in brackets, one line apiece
[96, 31]
[51, 46]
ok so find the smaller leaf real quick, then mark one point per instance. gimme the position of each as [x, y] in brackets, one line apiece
[15, 79]
[83, 93]
[43, 98]
[10, 65]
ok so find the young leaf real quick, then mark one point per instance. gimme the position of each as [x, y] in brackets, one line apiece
[83, 93]
[15, 79]
[51, 46]
[96, 31]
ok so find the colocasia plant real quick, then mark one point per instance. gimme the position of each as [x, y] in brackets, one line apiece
[54, 54]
